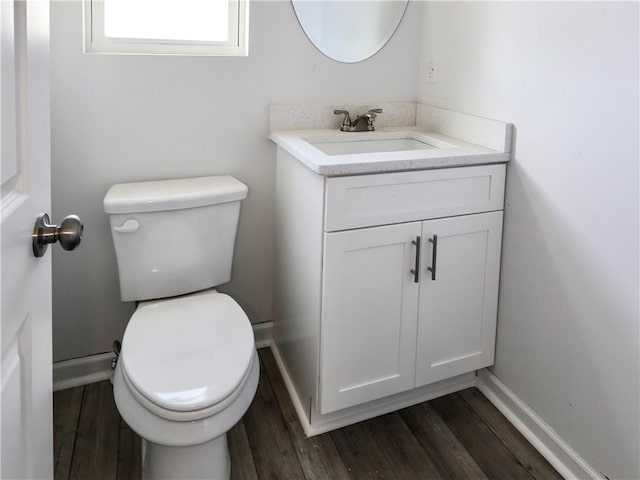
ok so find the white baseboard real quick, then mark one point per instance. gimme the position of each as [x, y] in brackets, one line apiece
[293, 395]
[96, 368]
[82, 371]
[263, 333]
[550, 445]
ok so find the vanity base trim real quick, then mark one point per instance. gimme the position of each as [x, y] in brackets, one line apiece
[349, 416]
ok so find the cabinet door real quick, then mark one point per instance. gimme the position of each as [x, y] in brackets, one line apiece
[369, 315]
[458, 310]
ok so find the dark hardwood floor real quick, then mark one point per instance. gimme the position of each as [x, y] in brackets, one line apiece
[459, 436]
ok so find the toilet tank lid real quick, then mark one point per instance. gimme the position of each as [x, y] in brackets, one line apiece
[176, 194]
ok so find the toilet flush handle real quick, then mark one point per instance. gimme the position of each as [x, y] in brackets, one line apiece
[130, 225]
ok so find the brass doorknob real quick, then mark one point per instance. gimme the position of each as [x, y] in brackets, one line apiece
[68, 233]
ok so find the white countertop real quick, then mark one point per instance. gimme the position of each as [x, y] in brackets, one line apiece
[449, 151]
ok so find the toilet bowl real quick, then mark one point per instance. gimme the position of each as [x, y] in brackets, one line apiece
[186, 390]
[188, 368]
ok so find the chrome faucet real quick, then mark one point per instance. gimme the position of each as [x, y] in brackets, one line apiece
[362, 123]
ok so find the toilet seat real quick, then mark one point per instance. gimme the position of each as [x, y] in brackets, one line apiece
[156, 429]
[189, 416]
[187, 358]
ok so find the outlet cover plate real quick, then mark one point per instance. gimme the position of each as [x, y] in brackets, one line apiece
[432, 70]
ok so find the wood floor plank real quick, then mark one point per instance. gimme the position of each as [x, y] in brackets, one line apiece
[318, 456]
[273, 452]
[96, 450]
[488, 451]
[280, 391]
[66, 412]
[242, 466]
[446, 451]
[360, 453]
[538, 467]
[384, 448]
[403, 450]
[129, 454]
[457, 436]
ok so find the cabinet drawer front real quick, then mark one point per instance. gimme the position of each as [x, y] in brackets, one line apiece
[368, 200]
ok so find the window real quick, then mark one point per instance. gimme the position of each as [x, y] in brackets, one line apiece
[173, 27]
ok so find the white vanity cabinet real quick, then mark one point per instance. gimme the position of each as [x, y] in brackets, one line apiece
[381, 331]
[363, 320]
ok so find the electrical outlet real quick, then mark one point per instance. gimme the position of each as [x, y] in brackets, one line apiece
[432, 70]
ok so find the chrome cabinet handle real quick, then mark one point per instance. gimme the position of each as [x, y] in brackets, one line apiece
[434, 255]
[416, 270]
[68, 233]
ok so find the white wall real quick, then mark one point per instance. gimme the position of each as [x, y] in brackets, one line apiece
[129, 118]
[566, 74]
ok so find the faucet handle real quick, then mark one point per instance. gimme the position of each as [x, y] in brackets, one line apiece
[371, 116]
[346, 121]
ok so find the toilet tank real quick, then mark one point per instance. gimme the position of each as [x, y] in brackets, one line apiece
[173, 237]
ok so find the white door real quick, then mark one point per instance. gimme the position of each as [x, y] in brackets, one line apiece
[369, 315]
[25, 333]
[459, 301]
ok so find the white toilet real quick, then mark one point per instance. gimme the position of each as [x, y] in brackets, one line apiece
[188, 369]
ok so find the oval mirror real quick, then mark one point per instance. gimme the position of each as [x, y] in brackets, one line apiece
[349, 30]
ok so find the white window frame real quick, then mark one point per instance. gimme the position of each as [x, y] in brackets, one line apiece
[96, 42]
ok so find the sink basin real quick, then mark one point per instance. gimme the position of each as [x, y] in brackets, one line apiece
[370, 146]
[375, 142]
